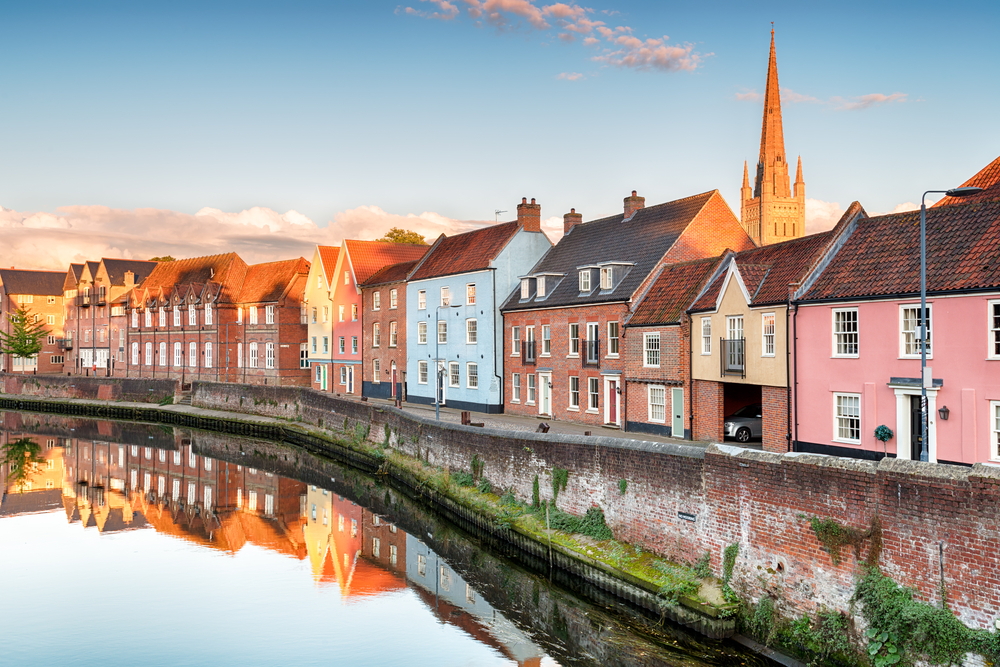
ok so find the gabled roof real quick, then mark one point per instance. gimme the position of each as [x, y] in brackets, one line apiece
[368, 257]
[116, 269]
[227, 270]
[269, 281]
[988, 178]
[643, 240]
[42, 283]
[394, 273]
[882, 256]
[766, 272]
[672, 292]
[328, 255]
[461, 253]
[73, 277]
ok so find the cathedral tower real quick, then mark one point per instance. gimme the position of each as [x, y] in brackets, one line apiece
[770, 212]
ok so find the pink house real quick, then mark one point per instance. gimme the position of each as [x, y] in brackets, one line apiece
[856, 353]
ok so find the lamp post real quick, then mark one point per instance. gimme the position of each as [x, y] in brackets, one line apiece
[438, 372]
[922, 318]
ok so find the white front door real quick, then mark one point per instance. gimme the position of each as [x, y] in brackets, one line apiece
[545, 404]
[677, 412]
[350, 379]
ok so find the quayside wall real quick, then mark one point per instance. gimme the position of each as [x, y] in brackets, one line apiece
[939, 523]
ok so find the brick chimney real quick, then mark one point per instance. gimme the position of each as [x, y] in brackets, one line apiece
[129, 279]
[529, 216]
[633, 204]
[570, 219]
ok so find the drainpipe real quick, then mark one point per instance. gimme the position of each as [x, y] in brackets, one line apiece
[496, 311]
[795, 374]
[788, 379]
[690, 374]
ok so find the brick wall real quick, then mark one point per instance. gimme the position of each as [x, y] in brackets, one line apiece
[385, 353]
[111, 389]
[672, 372]
[774, 403]
[708, 403]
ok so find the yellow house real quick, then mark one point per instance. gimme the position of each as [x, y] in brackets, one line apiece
[319, 315]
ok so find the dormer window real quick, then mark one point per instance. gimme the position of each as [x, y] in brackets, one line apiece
[585, 281]
[606, 278]
[541, 286]
[525, 288]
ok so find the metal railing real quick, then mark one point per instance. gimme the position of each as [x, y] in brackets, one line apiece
[733, 360]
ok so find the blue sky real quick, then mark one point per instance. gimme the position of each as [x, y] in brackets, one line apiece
[322, 108]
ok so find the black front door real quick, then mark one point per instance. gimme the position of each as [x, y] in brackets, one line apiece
[916, 428]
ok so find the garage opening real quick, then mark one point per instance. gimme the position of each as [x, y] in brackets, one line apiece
[742, 412]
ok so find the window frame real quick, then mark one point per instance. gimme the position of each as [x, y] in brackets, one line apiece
[354, 344]
[647, 350]
[837, 417]
[471, 371]
[422, 299]
[178, 354]
[376, 369]
[269, 314]
[546, 341]
[650, 390]
[454, 375]
[585, 289]
[574, 337]
[423, 371]
[616, 339]
[835, 335]
[376, 300]
[393, 299]
[607, 278]
[472, 331]
[902, 333]
[470, 294]
[515, 341]
[445, 295]
[442, 332]
[574, 393]
[992, 329]
[393, 334]
[269, 355]
[532, 389]
[341, 345]
[376, 334]
[593, 395]
[995, 430]
[706, 338]
[421, 333]
[764, 335]
[515, 387]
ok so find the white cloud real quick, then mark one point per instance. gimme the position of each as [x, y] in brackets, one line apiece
[821, 215]
[905, 207]
[867, 101]
[749, 96]
[789, 96]
[45, 240]
[570, 76]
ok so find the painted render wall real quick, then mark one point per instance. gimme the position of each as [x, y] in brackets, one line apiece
[960, 339]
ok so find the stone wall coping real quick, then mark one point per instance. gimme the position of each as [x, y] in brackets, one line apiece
[938, 471]
[800, 458]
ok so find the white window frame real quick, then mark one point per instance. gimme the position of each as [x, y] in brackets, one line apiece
[208, 313]
[471, 375]
[162, 316]
[354, 312]
[326, 314]
[253, 314]
[192, 355]
[340, 313]
[354, 344]
[239, 314]
[376, 300]
[148, 319]
[376, 370]
[393, 299]
[178, 354]
[393, 335]
[239, 355]
[706, 336]
[525, 288]
[148, 353]
[454, 374]
[515, 341]
[615, 339]
[574, 337]
[607, 276]
[532, 389]
[470, 294]
[593, 395]
[650, 353]
[343, 375]
[376, 334]
[192, 315]
[838, 335]
[421, 333]
[319, 373]
[269, 314]
[163, 354]
[546, 341]
[540, 287]
[574, 393]
[135, 319]
[252, 356]
[422, 299]
[651, 391]
[993, 329]
[445, 295]
[208, 355]
[764, 335]
[902, 334]
[995, 430]
[422, 372]
[442, 332]
[341, 345]
[585, 281]
[837, 417]
[515, 387]
[135, 354]
[268, 355]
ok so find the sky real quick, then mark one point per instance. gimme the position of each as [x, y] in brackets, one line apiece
[140, 129]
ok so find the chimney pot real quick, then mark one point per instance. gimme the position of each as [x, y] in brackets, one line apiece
[633, 193]
[570, 220]
[633, 204]
[529, 216]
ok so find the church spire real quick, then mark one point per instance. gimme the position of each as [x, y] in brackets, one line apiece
[771, 164]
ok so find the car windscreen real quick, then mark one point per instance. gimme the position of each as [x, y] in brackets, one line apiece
[748, 411]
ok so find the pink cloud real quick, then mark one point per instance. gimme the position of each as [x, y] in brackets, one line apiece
[821, 215]
[868, 101]
[590, 41]
[749, 96]
[563, 11]
[523, 9]
[447, 11]
[789, 95]
[650, 54]
[570, 76]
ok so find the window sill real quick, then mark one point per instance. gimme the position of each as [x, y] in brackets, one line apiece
[593, 411]
[646, 366]
[573, 409]
[612, 356]
[846, 356]
[657, 421]
[515, 400]
[767, 356]
[911, 357]
[856, 443]
[529, 402]
[573, 356]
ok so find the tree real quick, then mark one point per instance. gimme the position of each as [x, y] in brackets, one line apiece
[22, 457]
[397, 235]
[25, 337]
[165, 258]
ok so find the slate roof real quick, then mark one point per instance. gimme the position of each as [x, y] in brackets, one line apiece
[461, 253]
[268, 281]
[116, 269]
[642, 239]
[882, 256]
[672, 292]
[394, 273]
[767, 271]
[227, 270]
[988, 178]
[368, 257]
[73, 276]
[42, 283]
[328, 254]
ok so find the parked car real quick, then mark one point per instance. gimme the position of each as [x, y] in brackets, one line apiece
[744, 424]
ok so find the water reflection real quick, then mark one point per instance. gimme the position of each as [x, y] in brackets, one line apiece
[364, 542]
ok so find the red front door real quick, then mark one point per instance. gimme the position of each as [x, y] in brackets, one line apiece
[392, 390]
[613, 402]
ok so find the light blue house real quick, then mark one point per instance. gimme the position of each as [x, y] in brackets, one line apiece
[453, 298]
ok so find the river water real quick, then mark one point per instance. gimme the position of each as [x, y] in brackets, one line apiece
[140, 544]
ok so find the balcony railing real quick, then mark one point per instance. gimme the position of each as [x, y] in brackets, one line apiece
[89, 298]
[591, 355]
[83, 300]
[529, 351]
[733, 360]
[66, 344]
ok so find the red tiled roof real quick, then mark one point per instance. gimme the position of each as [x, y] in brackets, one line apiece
[987, 178]
[710, 297]
[367, 257]
[328, 254]
[227, 270]
[268, 281]
[882, 256]
[471, 251]
[672, 292]
[394, 273]
[753, 275]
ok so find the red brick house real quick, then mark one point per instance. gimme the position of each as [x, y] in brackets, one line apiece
[42, 294]
[657, 342]
[563, 326]
[215, 318]
[383, 317]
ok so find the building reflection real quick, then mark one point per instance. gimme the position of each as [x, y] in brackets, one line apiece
[116, 477]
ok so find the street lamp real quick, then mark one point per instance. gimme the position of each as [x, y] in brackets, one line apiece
[438, 370]
[925, 381]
